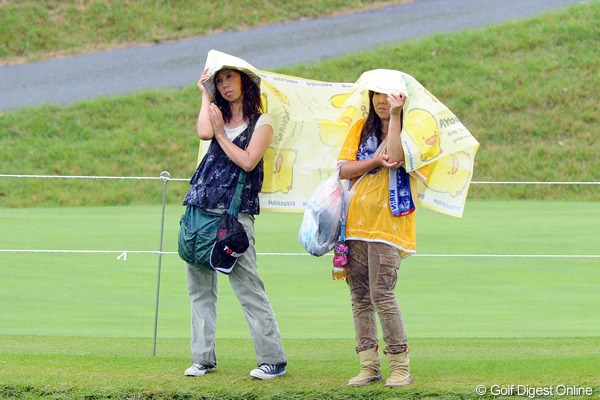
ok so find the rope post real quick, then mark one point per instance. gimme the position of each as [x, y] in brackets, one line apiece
[164, 176]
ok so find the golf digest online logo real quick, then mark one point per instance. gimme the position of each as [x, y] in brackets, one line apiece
[533, 391]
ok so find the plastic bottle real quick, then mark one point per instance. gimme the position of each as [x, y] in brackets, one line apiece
[338, 274]
[340, 262]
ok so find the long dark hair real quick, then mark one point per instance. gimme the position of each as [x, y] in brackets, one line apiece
[251, 103]
[373, 122]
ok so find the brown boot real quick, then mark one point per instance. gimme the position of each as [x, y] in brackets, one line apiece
[369, 368]
[399, 371]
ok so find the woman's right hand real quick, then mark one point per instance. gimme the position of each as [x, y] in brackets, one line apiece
[204, 125]
[355, 168]
[383, 160]
[203, 78]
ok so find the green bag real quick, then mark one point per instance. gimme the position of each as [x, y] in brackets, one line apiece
[199, 229]
[197, 234]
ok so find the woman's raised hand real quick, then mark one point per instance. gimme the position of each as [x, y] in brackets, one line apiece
[396, 101]
[203, 78]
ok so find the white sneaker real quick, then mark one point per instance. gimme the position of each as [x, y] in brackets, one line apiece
[198, 370]
[268, 371]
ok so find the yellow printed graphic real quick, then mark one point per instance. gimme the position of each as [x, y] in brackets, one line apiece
[423, 130]
[339, 99]
[333, 133]
[278, 166]
[282, 97]
[451, 174]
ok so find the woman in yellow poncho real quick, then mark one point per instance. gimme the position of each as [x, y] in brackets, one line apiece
[380, 230]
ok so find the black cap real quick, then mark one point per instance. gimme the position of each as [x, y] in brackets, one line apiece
[231, 243]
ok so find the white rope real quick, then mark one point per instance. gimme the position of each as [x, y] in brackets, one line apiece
[162, 177]
[84, 251]
[79, 177]
[533, 183]
[166, 177]
[513, 255]
[123, 254]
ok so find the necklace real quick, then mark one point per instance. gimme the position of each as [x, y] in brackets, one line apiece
[233, 122]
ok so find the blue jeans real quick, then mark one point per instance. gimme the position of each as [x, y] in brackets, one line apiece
[371, 275]
[250, 291]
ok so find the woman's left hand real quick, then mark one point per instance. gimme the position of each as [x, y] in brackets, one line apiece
[216, 119]
[396, 101]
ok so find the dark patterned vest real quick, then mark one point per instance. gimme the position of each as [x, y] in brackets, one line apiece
[215, 179]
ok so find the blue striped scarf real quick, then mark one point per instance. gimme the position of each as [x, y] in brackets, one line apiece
[401, 202]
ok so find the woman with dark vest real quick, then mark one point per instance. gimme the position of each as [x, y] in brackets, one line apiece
[230, 117]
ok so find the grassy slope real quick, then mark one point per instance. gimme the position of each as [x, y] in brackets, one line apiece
[526, 90]
[30, 30]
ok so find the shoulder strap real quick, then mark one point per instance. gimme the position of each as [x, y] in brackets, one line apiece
[344, 212]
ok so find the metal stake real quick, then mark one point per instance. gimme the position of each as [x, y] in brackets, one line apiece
[164, 176]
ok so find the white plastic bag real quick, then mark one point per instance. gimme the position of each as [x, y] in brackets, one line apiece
[320, 228]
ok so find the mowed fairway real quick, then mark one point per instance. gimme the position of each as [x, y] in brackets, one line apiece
[81, 324]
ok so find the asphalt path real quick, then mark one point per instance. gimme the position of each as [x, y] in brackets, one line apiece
[178, 64]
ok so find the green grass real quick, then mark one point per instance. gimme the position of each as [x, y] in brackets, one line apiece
[84, 322]
[89, 294]
[319, 368]
[526, 90]
[31, 30]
